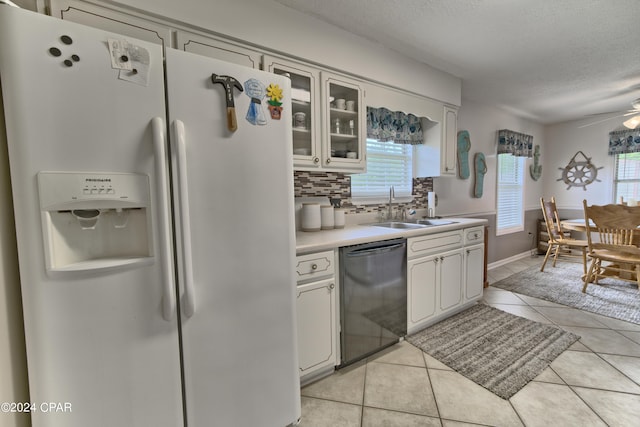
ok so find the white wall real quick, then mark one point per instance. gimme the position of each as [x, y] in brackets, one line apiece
[455, 195]
[270, 24]
[564, 141]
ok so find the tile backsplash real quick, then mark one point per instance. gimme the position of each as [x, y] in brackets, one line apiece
[338, 186]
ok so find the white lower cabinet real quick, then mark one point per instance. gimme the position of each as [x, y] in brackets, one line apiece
[434, 286]
[421, 290]
[316, 304]
[317, 316]
[443, 276]
[474, 269]
[450, 280]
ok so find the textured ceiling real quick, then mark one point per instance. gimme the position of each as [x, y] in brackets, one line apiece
[546, 60]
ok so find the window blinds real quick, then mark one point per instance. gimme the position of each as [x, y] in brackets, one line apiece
[387, 164]
[510, 212]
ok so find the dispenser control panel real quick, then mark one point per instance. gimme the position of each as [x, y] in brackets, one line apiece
[98, 188]
[60, 188]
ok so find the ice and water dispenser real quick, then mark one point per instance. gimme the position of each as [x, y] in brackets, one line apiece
[95, 221]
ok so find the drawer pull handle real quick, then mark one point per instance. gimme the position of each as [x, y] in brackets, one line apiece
[314, 266]
[331, 286]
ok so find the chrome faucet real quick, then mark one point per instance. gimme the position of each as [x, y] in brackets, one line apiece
[392, 195]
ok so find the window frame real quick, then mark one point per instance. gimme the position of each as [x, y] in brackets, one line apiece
[521, 168]
[616, 181]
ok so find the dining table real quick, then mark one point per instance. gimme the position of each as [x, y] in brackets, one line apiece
[577, 224]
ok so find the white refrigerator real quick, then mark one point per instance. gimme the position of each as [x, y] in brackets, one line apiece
[156, 246]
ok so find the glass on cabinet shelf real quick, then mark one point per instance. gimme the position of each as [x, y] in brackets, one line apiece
[343, 113]
[344, 122]
[300, 103]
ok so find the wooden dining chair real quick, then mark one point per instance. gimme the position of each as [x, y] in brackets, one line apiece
[559, 243]
[617, 227]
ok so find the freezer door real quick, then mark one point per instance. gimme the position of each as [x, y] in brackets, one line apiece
[234, 207]
[97, 339]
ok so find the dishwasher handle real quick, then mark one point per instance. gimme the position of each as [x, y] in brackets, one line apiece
[375, 250]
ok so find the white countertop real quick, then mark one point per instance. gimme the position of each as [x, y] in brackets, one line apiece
[307, 241]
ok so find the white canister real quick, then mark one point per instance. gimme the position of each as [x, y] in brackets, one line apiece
[326, 217]
[300, 120]
[310, 217]
[338, 218]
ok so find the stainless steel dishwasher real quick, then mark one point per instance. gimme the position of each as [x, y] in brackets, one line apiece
[373, 297]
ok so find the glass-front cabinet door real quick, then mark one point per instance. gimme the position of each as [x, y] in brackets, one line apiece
[343, 124]
[305, 110]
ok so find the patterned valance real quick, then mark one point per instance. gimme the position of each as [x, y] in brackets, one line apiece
[624, 141]
[396, 126]
[516, 143]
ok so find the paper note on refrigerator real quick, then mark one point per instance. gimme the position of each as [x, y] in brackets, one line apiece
[118, 50]
[132, 61]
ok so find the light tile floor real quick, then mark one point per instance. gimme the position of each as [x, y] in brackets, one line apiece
[596, 382]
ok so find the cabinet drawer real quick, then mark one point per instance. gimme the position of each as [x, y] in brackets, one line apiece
[315, 266]
[473, 235]
[434, 243]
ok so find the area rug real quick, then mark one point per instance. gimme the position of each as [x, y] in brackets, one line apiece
[563, 285]
[498, 350]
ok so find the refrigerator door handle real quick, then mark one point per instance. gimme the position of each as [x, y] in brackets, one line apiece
[189, 297]
[169, 296]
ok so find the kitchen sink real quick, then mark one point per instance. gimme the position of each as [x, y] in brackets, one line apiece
[398, 224]
[435, 221]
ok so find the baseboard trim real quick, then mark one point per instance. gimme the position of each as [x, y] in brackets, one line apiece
[508, 260]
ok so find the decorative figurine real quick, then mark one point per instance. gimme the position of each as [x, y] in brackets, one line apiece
[536, 168]
[255, 90]
[579, 174]
[274, 92]
[481, 169]
[464, 145]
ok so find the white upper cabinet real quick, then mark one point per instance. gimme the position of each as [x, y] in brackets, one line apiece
[328, 118]
[438, 155]
[344, 124]
[305, 110]
[218, 49]
[449, 140]
[112, 20]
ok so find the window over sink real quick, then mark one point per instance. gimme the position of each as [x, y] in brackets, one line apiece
[388, 164]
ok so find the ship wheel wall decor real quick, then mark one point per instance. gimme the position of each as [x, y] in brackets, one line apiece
[579, 173]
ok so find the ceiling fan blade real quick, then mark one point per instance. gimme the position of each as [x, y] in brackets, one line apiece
[633, 122]
[601, 121]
